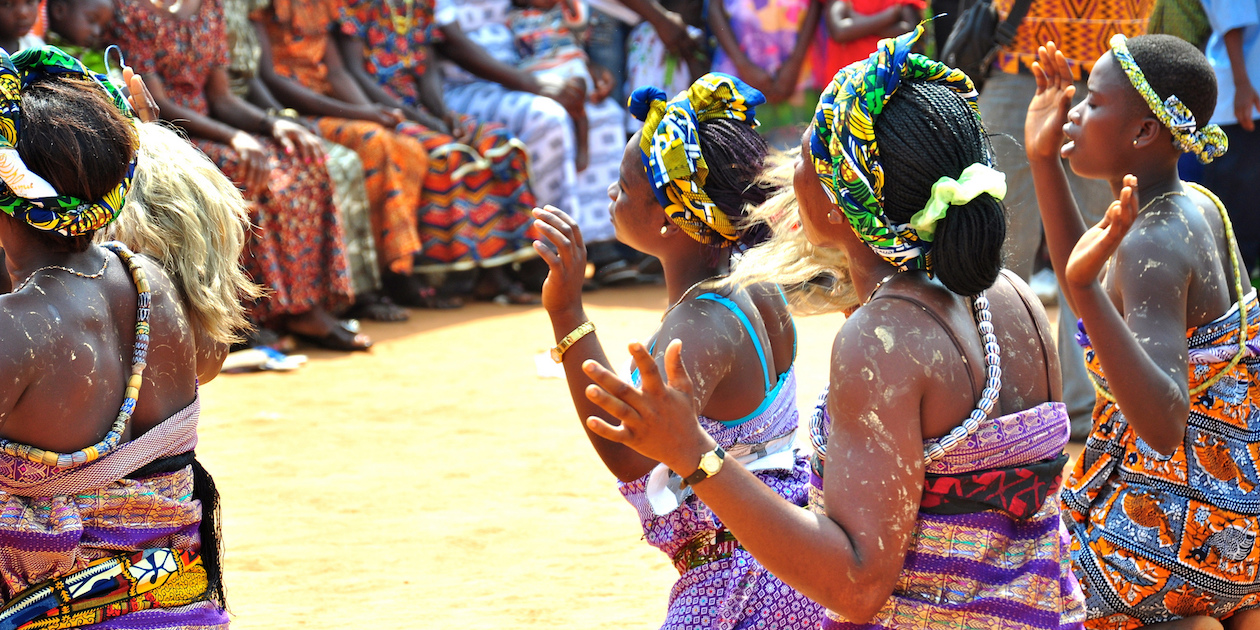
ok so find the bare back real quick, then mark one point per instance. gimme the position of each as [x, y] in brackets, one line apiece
[66, 346]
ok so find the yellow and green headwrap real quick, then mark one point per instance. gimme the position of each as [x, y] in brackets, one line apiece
[25, 195]
[1207, 143]
[671, 149]
[843, 145]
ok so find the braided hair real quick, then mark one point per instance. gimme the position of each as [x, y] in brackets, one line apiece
[736, 155]
[924, 133]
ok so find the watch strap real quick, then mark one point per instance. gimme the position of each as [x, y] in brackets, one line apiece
[701, 474]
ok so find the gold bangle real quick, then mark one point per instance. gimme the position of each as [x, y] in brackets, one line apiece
[557, 353]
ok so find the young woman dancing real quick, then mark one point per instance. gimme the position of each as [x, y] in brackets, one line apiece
[741, 342]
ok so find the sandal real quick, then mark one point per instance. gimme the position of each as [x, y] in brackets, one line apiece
[339, 338]
[378, 308]
[408, 290]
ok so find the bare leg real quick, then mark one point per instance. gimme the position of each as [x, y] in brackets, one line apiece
[581, 128]
[1246, 620]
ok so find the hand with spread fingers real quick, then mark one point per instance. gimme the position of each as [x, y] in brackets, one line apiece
[1048, 111]
[564, 252]
[146, 108]
[660, 418]
[1099, 243]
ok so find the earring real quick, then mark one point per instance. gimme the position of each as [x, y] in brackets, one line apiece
[1135, 142]
[664, 229]
[834, 216]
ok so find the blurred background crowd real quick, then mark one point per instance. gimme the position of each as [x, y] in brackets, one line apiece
[392, 150]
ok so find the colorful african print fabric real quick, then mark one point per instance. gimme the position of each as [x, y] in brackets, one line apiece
[1159, 537]
[25, 195]
[297, 247]
[544, 41]
[1207, 142]
[476, 199]
[999, 563]
[670, 145]
[721, 585]
[845, 153]
[1080, 28]
[767, 31]
[108, 589]
[394, 166]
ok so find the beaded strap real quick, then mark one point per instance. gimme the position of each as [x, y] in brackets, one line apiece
[1230, 244]
[139, 354]
[988, 398]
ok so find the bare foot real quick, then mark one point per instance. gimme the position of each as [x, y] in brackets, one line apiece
[318, 327]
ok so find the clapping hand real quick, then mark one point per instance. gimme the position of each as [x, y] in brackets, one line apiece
[1099, 243]
[145, 107]
[562, 248]
[659, 419]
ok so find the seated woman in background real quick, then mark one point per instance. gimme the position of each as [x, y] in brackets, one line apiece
[100, 395]
[477, 192]
[296, 250]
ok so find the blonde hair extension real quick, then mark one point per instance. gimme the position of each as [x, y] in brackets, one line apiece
[816, 279]
[186, 214]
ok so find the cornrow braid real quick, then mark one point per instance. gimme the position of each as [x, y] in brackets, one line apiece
[924, 133]
[736, 155]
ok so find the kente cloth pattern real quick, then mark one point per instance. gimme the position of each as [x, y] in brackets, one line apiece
[845, 153]
[394, 165]
[734, 592]
[27, 196]
[1018, 491]
[1206, 142]
[670, 145]
[984, 569]
[55, 522]
[297, 247]
[476, 200]
[1080, 28]
[109, 588]
[1156, 538]
[767, 31]
[543, 41]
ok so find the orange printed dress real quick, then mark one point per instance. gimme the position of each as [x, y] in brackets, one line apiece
[394, 165]
[1156, 538]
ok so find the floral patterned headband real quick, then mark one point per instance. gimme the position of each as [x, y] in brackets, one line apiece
[1207, 143]
[671, 149]
[845, 153]
[25, 195]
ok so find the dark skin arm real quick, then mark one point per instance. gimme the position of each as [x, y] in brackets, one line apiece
[1246, 101]
[1043, 139]
[293, 94]
[707, 328]
[751, 73]
[785, 80]
[848, 559]
[468, 55]
[351, 49]
[1143, 341]
[6, 286]
[845, 25]
[669, 26]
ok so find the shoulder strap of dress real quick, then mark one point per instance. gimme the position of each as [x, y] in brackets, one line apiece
[940, 322]
[752, 332]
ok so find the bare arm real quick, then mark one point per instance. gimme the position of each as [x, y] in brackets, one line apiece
[669, 26]
[845, 25]
[468, 55]
[847, 560]
[1245, 98]
[1143, 351]
[352, 53]
[754, 75]
[299, 97]
[786, 78]
[1043, 138]
[430, 82]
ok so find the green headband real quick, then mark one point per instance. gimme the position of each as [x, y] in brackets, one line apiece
[28, 196]
[1207, 143]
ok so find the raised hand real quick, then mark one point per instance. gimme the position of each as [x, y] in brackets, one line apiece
[1100, 242]
[1048, 112]
[565, 254]
[658, 419]
[139, 98]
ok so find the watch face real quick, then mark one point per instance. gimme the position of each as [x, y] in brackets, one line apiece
[556, 356]
[710, 463]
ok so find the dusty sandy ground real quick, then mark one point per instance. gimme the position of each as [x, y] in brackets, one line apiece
[438, 482]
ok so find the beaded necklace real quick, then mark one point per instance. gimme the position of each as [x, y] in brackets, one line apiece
[89, 276]
[937, 449]
[139, 354]
[1230, 244]
[402, 24]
